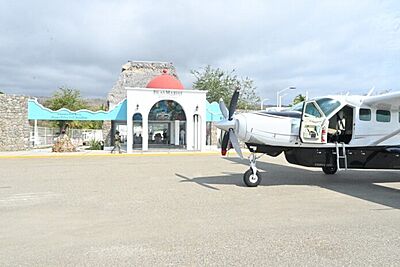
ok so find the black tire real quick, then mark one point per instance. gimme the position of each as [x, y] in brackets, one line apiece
[329, 170]
[250, 179]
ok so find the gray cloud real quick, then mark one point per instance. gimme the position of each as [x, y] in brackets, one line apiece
[319, 46]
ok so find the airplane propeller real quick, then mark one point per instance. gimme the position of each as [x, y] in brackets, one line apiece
[228, 125]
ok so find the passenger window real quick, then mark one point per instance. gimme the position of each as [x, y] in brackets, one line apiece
[312, 110]
[365, 114]
[382, 115]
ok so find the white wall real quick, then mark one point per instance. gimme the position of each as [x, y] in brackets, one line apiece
[141, 100]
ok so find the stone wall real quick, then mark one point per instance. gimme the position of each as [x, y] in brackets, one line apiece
[215, 132]
[107, 133]
[14, 124]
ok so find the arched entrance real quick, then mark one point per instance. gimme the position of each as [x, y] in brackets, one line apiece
[167, 125]
[137, 130]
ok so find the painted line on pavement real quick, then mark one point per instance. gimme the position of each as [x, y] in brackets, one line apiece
[115, 155]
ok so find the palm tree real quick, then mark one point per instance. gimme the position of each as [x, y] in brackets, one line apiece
[298, 99]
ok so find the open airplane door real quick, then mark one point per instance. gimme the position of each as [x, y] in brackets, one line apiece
[314, 125]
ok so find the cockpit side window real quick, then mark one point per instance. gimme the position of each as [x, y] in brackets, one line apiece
[312, 110]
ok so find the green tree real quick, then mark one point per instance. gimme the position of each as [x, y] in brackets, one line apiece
[298, 99]
[71, 99]
[66, 98]
[221, 84]
[1, 93]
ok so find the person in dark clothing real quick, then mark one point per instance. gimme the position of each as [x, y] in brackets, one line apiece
[117, 143]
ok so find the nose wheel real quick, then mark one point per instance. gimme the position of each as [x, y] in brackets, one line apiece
[252, 177]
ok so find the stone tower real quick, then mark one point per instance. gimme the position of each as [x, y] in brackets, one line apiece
[137, 74]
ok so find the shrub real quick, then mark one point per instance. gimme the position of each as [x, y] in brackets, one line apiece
[95, 145]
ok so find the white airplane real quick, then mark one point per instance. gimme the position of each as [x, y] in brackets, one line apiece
[333, 132]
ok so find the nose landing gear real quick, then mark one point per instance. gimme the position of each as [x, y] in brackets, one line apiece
[252, 176]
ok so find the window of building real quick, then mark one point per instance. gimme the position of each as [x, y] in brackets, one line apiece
[365, 114]
[382, 115]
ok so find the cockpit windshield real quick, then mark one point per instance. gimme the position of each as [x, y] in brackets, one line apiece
[297, 107]
[327, 105]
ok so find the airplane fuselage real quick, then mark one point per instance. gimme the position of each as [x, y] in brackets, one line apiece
[369, 132]
[333, 132]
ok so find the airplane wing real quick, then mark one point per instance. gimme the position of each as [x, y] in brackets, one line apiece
[389, 100]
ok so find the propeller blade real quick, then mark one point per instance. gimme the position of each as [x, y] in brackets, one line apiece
[233, 104]
[223, 108]
[224, 144]
[235, 143]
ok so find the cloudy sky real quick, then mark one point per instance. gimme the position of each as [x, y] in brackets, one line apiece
[319, 46]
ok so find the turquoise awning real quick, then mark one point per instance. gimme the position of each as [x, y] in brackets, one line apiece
[37, 111]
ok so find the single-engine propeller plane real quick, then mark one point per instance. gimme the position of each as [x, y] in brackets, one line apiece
[337, 132]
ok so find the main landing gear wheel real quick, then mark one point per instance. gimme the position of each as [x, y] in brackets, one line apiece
[329, 170]
[251, 179]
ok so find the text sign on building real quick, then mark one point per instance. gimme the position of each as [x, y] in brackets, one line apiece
[162, 93]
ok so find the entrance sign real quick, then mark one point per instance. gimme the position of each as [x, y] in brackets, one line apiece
[167, 92]
[37, 111]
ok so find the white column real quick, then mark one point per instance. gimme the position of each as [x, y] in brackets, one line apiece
[196, 132]
[145, 131]
[171, 134]
[35, 135]
[198, 137]
[45, 137]
[189, 131]
[176, 134]
[203, 132]
[129, 137]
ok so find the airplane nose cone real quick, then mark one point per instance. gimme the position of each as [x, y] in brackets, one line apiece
[226, 125]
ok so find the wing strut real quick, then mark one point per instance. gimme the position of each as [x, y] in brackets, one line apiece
[377, 142]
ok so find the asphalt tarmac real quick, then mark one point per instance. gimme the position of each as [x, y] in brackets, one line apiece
[193, 210]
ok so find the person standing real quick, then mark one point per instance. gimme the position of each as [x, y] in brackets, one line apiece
[117, 142]
[182, 137]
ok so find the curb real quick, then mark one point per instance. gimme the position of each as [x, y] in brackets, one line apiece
[145, 154]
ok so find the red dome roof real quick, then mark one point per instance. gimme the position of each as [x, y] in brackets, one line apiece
[165, 81]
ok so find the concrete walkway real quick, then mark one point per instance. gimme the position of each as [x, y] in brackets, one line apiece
[44, 153]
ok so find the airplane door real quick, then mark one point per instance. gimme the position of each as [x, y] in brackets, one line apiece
[314, 125]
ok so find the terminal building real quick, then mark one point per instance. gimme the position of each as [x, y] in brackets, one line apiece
[160, 112]
[150, 108]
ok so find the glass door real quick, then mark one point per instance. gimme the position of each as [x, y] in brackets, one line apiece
[159, 134]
